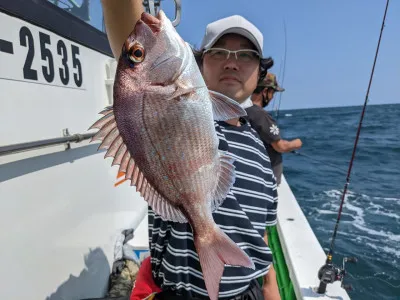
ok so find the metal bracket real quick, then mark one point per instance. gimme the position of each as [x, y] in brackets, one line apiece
[66, 134]
[153, 7]
[178, 10]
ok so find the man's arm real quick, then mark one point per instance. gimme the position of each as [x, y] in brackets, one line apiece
[270, 286]
[286, 146]
[120, 17]
[268, 131]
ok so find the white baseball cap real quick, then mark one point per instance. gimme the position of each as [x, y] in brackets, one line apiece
[233, 24]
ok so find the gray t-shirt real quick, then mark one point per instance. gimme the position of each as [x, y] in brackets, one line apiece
[267, 129]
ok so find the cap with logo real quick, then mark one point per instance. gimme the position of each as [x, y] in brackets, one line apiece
[233, 24]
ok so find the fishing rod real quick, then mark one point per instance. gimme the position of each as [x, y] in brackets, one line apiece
[275, 101]
[283, 72]
[329, 273]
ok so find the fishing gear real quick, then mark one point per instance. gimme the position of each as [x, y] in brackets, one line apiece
[331, 165]
[153, 7]
[329, 273]
[374, 278]
[318, 161]
[283, 72]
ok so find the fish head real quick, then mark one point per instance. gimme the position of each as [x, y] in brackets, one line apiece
[154, 54]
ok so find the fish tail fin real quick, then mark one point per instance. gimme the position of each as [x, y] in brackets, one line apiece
[218, 251]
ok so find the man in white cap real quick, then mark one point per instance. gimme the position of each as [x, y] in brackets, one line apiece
[230, 58]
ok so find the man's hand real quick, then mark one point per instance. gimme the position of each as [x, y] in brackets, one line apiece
[283, 146]
[120, 18]
[271, 294]
[270, 287]
[298, 143]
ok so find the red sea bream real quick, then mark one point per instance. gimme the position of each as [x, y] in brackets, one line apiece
[160, 130]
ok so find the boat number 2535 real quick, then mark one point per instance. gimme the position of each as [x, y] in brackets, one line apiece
[47, 57]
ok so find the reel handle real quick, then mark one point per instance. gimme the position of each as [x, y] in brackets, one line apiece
[348, 287]
[351, 259]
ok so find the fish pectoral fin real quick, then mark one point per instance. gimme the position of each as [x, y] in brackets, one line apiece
[213, 256]
[225, 180]
[182, 90]
[225, 108]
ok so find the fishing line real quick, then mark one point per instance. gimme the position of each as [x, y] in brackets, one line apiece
[319, 161]
[326, 271]
[374, 278]
[331, 165]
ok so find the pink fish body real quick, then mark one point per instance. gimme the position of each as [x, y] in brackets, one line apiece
[160, 130]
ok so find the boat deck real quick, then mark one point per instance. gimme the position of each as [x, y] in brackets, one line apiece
[303, 253]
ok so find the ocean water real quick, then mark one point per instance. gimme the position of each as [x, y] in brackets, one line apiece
[370, 223]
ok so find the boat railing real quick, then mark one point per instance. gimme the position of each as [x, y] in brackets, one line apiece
[66, 140]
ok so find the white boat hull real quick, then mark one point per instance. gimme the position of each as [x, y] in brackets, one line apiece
[60, 213]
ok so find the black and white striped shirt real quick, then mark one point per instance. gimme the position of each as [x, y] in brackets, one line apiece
[249, 207]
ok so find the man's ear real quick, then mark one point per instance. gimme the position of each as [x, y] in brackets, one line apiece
[265, 93]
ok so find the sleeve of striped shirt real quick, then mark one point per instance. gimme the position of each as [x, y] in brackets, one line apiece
[272, 211]
[223, 144]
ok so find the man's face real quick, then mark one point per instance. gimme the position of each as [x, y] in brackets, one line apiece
[270, 94]
[230, 77]
[257, 98]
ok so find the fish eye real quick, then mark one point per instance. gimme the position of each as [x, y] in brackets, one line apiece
[135, 52]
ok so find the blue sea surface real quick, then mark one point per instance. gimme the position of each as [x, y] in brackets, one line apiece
[370, 225]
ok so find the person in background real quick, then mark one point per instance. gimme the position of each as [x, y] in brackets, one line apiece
[266, 126]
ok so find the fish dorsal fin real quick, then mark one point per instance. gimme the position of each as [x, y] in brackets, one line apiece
[112, 141]
[226, 179]
[224, 108]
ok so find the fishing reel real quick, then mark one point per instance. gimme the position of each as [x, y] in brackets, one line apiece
[329, 273]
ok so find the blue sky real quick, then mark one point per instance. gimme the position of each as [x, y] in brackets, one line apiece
[330, 45]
